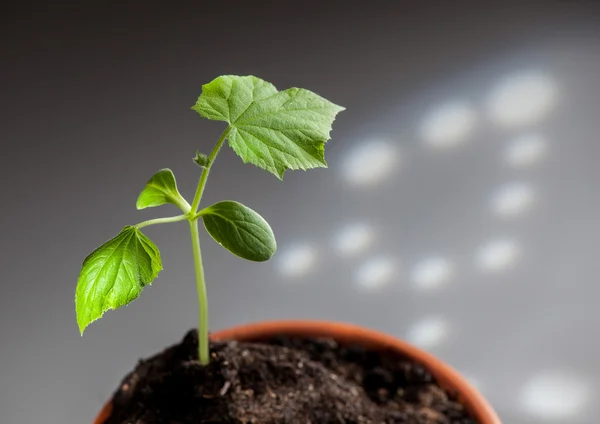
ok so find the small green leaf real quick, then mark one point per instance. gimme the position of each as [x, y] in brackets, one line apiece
[114, 274]
[274, 130]
[160, 189]
[201, 159]
[240, 230]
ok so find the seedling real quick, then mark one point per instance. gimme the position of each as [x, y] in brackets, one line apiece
[274, 130]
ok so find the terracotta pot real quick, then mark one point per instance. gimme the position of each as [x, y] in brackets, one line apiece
[351, 334]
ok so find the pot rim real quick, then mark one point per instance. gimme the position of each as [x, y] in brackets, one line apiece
[346, 333]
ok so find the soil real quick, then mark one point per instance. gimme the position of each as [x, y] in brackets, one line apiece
[282, 381]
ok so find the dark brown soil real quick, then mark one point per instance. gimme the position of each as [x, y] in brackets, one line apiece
[283, 381]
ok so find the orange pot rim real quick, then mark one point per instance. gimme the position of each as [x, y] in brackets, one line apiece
[345, 333]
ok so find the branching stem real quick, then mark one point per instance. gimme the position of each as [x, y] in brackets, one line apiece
[203, 347]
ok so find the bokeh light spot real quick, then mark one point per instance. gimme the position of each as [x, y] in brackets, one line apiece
[296, 260]
[375, 273]
[525, 150]
[555, 395]
[429, 332]
[431, 273]
[353, 239]
[498, 255]
[522, 99]
[448, 126]
[370, 163]
[512, 200]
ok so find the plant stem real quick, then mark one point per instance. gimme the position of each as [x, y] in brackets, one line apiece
[206, 170]
[203, 347]
[203, 350]
[162, 220]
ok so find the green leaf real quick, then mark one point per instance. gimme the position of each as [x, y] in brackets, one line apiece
[240, 230]
[160, 189]
[114, 274]
[274, 130]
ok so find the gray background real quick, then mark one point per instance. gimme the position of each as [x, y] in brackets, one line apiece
[460, 210]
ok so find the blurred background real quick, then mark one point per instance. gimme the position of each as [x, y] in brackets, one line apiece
[460, 210]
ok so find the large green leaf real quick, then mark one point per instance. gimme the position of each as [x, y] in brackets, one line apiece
[240, 230]
[114, 274]
[274, 130]
[160, 189]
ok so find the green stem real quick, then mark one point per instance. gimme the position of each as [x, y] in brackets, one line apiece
[162, 220]
[183, 205]
[204, 176]
[203, 350]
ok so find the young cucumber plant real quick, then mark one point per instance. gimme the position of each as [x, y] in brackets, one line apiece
[274, 130]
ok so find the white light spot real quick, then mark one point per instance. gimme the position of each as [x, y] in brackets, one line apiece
[353, 239]
[555, 395]
[448, 126]
[297, 260]
[370, 163]
[498, 255]
[375, 273]
[431, 273]
[525, 150]
[512, 200]
[428, 333]
[522, 99]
